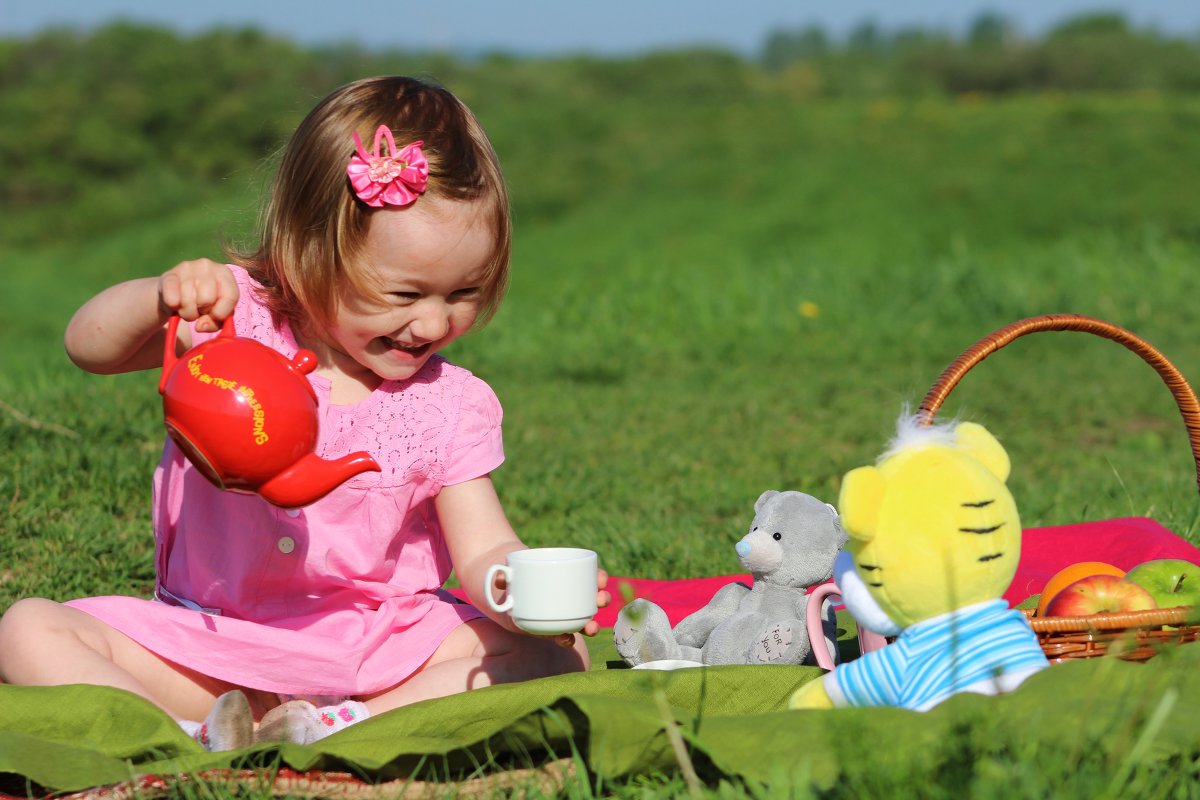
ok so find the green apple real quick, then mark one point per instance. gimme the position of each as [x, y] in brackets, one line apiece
[1170, 581]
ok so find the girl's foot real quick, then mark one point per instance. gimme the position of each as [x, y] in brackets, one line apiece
[295, 721]
[301, 722]
[229, 726]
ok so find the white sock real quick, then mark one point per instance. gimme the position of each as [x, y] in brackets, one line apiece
[301, 722]
[340, 716]
[228, 726]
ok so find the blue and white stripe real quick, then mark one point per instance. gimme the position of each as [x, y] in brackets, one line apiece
[985, 648]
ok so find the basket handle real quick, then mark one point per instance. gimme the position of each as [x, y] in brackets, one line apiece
[1185, 398]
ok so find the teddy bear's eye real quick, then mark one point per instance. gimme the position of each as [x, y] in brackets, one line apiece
[777, 536]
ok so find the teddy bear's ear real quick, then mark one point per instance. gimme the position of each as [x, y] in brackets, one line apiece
[763, 498]
[977, 442]
[859, 501]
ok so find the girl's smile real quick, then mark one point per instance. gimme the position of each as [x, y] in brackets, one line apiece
[416, 351]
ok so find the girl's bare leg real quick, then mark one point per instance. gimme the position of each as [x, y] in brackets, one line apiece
[481, 653]
[44, 643]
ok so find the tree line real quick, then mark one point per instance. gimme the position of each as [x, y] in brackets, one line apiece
[130, 120]
[1091, 52]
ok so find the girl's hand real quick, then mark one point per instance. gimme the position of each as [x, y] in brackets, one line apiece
[603, 598]
[122, 329]
[200, 290]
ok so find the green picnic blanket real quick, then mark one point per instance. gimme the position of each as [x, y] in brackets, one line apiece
[734, 720]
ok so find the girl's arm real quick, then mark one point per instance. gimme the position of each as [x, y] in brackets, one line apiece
[479, 535]
[122, 328]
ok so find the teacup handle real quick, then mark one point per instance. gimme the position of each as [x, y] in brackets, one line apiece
[868, 640]
[488, 582]
[812, 618]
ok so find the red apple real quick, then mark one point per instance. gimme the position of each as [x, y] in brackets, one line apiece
[1170, 581]
[1098, 594]
[1068, 575]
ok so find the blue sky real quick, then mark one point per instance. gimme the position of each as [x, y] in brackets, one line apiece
[543, 26]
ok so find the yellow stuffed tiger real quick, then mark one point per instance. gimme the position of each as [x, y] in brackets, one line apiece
[934, 542]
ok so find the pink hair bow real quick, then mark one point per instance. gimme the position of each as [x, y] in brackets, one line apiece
[395, 179]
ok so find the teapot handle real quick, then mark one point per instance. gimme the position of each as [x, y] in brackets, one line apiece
[170, 359]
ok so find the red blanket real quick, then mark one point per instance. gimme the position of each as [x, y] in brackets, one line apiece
[1121, 542]
[1044, 551]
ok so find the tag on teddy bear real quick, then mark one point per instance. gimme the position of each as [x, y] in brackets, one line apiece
[773, 645]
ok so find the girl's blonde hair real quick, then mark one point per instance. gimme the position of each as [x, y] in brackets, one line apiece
[313, 227]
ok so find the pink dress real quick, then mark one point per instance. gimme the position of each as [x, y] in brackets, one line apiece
[341, 597]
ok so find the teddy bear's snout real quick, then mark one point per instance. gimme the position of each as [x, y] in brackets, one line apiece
[758, 552]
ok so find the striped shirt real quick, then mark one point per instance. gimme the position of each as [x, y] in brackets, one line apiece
[985, 648]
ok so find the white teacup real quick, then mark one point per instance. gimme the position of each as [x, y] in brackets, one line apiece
[549, 589]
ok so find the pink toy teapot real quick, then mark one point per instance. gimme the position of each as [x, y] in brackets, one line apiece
[246, 417]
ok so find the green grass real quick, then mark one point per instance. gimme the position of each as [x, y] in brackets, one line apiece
[655, 365]
[671, 313]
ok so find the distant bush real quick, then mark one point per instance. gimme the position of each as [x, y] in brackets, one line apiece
[1091, 52]
[127, 120]
[133, 120]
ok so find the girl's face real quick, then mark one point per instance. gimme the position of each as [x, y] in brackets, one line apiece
[428, 261]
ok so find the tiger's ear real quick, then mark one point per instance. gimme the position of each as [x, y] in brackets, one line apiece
[859, 502]
[975, 440]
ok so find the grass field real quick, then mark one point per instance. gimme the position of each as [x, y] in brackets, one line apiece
[710, 300]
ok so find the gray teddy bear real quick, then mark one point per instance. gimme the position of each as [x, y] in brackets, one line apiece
[791, 546]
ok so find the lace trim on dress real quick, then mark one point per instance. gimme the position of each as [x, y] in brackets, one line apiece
[407, 426]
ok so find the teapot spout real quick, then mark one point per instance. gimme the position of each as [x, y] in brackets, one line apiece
[312, 477]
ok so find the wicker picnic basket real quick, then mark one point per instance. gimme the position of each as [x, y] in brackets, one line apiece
[1136, 635]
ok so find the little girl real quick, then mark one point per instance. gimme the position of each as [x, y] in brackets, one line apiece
[289, 624]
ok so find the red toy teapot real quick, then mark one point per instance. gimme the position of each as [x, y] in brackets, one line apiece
[246, 418]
